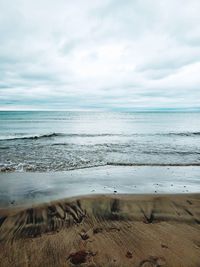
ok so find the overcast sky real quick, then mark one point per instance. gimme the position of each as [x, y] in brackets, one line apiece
[99, 54]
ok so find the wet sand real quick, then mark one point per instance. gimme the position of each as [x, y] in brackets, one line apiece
[26, 188]
[104, 230]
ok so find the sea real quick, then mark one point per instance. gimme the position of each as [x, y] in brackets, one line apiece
[51, 141]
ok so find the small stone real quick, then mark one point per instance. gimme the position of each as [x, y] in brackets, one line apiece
[129, 254]
[97, 230]
[84, 236]
[164, 246]
[80, 257]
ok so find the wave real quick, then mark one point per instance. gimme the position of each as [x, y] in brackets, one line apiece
[171, 152]
[4, 147]
[50, 135]
[33, 168]
[184, 133]
[153, 164]
[33, 137]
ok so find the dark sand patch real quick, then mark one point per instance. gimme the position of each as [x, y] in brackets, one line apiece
[109, 230]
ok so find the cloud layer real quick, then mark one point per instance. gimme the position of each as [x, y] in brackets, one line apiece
[108, 54]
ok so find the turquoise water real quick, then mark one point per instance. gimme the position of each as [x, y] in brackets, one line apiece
[60, 140]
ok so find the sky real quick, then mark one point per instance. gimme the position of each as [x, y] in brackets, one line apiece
[99, 54]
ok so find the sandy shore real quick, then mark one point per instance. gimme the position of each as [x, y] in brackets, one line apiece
[104, 230]
[28, 188]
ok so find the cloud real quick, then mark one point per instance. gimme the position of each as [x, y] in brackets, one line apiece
[109, 54]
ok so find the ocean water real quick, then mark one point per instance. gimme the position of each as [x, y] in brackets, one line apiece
[43, 141]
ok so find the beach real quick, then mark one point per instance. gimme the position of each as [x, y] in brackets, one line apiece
[99, 133]
[104, 230]
[31, 188]
[104, 189]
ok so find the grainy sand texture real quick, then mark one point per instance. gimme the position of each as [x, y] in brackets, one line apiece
[104, 230]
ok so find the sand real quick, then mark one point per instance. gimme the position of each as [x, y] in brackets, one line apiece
[28, 188]
[104, 230]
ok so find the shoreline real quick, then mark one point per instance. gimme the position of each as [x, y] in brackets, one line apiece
[34, 188]
[104, 230]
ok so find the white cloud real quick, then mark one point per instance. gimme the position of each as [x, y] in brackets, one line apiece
[99, 54]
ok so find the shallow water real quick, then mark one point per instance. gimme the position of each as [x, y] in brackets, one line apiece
[59, 140]
[29, 188]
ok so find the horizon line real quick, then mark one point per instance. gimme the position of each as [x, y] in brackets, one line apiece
[110, 110]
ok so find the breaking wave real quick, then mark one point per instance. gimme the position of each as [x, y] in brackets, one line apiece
[23, 168]
[51, 135]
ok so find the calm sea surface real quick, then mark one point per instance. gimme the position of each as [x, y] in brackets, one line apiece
[55, 141]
